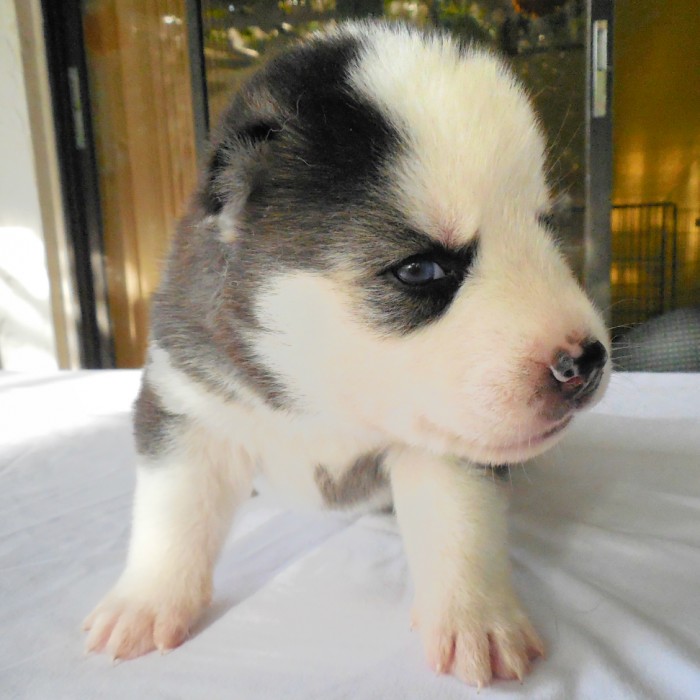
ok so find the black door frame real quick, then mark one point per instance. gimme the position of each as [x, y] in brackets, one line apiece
[599, 152]
[78, 166]
[198, 75]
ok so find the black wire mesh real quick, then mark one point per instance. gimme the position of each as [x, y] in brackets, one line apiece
[668, 343]
[643, 274]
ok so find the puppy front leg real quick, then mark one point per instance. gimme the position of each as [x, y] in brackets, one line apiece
[182, 511]
[453, 522]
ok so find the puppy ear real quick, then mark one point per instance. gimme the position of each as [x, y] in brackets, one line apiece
[235, 165]
[211, 198]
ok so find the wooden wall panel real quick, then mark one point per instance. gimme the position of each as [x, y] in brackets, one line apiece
[144, 126]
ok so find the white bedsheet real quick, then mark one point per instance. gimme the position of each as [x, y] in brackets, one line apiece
[606, 551]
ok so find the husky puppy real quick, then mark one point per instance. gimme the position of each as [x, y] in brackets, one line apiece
[364, 306]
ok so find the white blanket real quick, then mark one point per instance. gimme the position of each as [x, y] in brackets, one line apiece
[605, 545]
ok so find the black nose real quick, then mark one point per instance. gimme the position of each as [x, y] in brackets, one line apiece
[592, 359]
[580, 375]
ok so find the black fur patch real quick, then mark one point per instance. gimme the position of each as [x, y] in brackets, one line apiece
[403, 308]
[330, 143]
[198, 315]
[212, 199]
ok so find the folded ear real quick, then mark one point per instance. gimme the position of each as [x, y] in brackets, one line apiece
[236, 163]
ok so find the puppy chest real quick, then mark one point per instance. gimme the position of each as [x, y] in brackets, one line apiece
[324, 471]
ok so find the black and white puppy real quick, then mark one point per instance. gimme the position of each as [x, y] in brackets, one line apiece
[364, 307]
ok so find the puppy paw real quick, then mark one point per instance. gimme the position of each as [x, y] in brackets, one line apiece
[480, 645]
[130, 622]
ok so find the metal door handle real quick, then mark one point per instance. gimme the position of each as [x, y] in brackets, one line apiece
[600, 67]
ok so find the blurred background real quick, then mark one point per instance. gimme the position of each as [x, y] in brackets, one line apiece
[108, 103]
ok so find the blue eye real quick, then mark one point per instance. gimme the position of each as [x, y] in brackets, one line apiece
[419, 272]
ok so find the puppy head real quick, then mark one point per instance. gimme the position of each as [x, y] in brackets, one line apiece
[381, 194]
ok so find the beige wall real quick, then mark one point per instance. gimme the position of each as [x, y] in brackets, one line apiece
[37, 319]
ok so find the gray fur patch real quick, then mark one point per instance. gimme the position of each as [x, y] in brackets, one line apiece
[358, 483]
[201, 314]
[154, 426]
